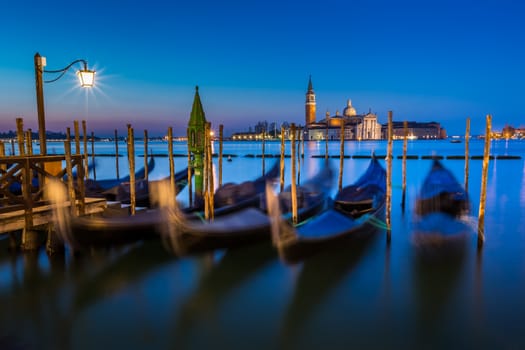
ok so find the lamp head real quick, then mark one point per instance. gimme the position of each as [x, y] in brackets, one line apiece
[86, 77]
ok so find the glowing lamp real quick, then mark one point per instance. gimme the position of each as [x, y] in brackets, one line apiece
[86, 77]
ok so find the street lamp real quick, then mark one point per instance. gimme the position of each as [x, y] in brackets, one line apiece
[85, 76]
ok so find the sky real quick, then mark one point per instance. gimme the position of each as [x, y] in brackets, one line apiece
[426, 60]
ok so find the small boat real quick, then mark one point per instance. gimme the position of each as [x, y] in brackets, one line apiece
[455, 141]
[438, 229]
[355, 214]
[247, 224]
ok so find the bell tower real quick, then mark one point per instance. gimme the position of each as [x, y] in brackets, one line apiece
[310, 104]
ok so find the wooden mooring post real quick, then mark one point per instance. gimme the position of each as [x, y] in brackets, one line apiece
[404, 165]
[190, 190]
[85, 142]
[484, 176]
[131, 162]
[281, 163]
[467, 137]
[293, 178]
[146, 170]
[221, 130]
[388, 199]
[116, 154]
[170, 160]
[341, 157]
[93, 156]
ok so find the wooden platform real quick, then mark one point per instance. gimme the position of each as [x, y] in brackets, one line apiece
[42, 215]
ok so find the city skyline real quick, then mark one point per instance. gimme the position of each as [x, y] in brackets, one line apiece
[438, 61]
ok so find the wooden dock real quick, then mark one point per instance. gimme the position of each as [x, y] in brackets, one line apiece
[42, 215]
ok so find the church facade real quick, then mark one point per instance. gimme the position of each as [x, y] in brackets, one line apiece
[356, 126]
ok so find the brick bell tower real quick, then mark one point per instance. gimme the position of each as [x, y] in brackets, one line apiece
[310, 104]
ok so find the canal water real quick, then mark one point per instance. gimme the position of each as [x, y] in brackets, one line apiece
[374, 297]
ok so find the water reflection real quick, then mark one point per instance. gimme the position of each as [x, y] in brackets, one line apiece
[200, 313]
[319, 276]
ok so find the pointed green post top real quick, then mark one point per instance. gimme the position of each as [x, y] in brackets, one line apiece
[196, 125]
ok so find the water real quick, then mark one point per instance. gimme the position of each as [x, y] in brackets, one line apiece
[380, 296]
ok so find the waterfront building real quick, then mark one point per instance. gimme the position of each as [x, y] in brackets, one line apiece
[416, 130]
[356, 126]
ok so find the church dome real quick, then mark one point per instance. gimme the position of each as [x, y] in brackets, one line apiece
[349, 111]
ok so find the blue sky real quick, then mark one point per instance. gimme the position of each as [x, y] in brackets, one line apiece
[424, 60]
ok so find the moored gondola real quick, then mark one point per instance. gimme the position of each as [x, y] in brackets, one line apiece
[356, 213]
[439, 230]
[249, 224]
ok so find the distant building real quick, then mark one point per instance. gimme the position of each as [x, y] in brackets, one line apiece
[416, 130]
[356, 126]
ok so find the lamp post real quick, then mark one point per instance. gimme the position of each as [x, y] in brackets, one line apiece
[85, 76]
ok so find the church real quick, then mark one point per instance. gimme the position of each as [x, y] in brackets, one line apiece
[356, 126]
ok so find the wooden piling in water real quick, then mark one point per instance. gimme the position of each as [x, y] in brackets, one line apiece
[388, 198]
[69, 172]
[263, 144]
[77, 136]
[93, 156]
[281, 162]
[131, 162]
[341, 156]
[208, 171]
[298, 156]
[29, 142]
[326, 143]
[484, 175]
[190, 193]
[146, 170]
[116, 154]
[20, 136]
[171, 161]
[405, 140]
[221, 128]
[86, 156]
[293, 184]
[3, 167]
[467, 137]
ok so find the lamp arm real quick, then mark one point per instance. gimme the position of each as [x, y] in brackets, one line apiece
[64, 70]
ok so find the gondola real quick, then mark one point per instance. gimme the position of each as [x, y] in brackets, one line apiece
[356, 213]
[108, 188]
[142, 189]
[117, 227]
[441, 193]
[438, 229]
[248, 224]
